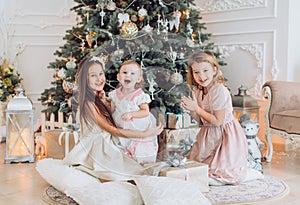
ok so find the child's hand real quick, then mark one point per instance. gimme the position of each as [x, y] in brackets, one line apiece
[126, 116]
[189, 103]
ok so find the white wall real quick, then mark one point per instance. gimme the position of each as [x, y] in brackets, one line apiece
[34, 31]
[259, 39]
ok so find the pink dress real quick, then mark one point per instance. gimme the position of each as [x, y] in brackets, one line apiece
[142, 150]
[223, 148]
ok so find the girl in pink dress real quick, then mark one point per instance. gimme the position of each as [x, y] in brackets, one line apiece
[221, 142]
[130, 110]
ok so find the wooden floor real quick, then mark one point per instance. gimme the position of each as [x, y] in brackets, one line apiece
[20, 183]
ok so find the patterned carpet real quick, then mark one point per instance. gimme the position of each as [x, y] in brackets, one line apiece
[269, 188]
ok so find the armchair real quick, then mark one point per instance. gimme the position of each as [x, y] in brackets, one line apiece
[283, 112]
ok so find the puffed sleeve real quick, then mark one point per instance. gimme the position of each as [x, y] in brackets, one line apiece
[220, 96]
[142, 98]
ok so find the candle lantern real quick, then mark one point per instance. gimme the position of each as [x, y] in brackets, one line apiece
[19, 129]
[245, 104]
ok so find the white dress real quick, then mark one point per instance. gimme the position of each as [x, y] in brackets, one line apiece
[97, 154]
[142, 150]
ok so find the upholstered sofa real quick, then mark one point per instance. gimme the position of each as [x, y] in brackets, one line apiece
[283, 113]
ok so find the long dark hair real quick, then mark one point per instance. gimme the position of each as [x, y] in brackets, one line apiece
[87, 98]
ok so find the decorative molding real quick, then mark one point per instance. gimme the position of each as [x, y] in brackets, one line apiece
[256, 50]
[212, 6]
[274, 70]
[63, 11]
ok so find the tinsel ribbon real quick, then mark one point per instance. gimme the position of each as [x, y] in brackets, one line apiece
[66, 132]
[173, 161]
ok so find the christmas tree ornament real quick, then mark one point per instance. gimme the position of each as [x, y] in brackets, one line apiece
[142, 13]
[111, 6]
[102, 14]
[134, 18]
[175, 22]
[71, 64]
[67, 86]
[159, 22]
[176, 78]
[119, 53]
[88, 40]
[123, 18]
[187, 13]
[128, 30]
[151, 86]
[61, 73]
[148, 28]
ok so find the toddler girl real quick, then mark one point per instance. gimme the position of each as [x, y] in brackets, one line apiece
[221, 142]
[130, 110]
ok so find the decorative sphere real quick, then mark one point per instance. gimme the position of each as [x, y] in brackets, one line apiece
[111, 6]
[70, 65]
[67, 86]
[128, 30]
[61, 73]
[176, 78]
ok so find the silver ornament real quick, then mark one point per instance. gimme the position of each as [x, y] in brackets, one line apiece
[176, 78]
[70, 64]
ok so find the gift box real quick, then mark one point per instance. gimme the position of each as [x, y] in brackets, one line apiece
[192, 171]
[57, 148]
[170, 138]
[177, 121]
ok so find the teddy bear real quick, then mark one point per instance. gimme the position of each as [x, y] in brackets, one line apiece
[251, 128]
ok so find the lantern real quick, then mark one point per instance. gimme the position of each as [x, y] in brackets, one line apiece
[19, 129]
[245, 104]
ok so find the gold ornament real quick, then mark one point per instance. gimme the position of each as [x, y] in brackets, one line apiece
[128, 30]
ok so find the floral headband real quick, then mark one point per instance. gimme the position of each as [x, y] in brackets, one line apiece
[102, 59]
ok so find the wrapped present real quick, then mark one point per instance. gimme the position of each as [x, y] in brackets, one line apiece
[192, 171]
[58, 143]
[170, 138]
[177, 121]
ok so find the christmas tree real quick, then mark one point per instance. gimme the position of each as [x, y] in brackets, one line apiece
[159, 34]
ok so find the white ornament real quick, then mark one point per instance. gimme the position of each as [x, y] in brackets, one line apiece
[142, 12]
[70, 64]
[148, 28]
[61, 73]
[123, 17]
[151, 87]
[176, 78]
[102, 14]
[176, 21]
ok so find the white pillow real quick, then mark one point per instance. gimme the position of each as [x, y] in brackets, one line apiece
[109, 193]
[165, 190]
[253, 174]
[63, 177]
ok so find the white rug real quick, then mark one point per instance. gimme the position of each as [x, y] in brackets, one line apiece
[255, 191]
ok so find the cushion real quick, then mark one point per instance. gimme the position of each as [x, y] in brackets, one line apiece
[288, 121]
[84, 188]
[165, 190]
[63, 177]
[109, 193]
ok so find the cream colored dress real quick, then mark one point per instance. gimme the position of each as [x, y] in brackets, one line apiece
[97, 154]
